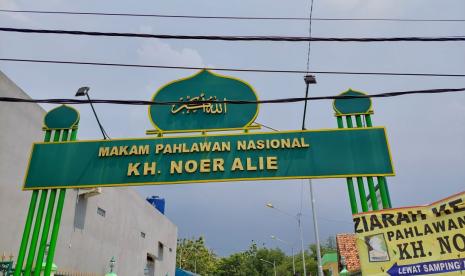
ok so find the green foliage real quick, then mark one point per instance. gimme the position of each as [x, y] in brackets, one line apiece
[250, 262]
[193, 255]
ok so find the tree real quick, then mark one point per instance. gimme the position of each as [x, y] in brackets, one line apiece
[328, 247]
[193, 255]
[249, 263]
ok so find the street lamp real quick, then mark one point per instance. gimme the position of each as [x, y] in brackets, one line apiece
[272, 263]
[310, 79]
[84, 91]
[299, 223]
[292, 250]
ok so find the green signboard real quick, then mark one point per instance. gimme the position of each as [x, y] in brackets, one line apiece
[201, 104]
[231, 157]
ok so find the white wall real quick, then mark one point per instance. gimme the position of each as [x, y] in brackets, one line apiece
[87, 241]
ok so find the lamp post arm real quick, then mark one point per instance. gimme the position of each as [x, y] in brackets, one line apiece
[96, 117]
[283, 241]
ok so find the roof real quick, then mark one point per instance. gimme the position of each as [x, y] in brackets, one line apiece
[347, 248]
[329, 258]
[181, 272]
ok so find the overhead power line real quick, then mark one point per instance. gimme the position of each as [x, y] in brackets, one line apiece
[274, 101]
[230, 17]
[69, 62]
[310, 15]
[239, 38]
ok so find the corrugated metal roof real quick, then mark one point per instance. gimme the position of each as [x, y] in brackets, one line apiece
[182, 272]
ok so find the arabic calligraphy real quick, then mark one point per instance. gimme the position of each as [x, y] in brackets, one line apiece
[206, 105]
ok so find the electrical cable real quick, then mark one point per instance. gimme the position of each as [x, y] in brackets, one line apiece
[267, 127]
[229, 69]
[229, 17]
[304, 114]
[309, 34]
[240, 38]
[273, 101]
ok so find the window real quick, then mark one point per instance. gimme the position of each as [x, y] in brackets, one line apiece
[101, 212]
[160, 251]
[150, 265]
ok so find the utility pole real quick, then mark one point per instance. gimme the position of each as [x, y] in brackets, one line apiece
[299, 219]
[310, 79]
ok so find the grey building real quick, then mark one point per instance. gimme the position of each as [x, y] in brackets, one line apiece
[97, 224]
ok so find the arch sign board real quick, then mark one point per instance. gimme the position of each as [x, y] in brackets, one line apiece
[200, 104]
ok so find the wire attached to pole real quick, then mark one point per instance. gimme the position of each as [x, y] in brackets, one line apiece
[70, 62]
[227, 17]
[273, 101]
[240, 38]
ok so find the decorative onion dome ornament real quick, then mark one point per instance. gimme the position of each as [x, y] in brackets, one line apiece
[62, 117]
[199, 102]
[354, 106]
[112, 266]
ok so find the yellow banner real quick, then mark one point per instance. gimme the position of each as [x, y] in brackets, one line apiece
[421, 240]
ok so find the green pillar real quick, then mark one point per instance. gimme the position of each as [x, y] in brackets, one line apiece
[48, 134]
[383, 192]
[27, 226]
[58, 214]
[27, 230]
[371, 185]
[349, 180]
[373, 197]
[53, 123]
[387, 192]
[55, 230]
[382, 183]
[363, 195]
[56, 136]
[358, 120]
[352, 197]
[35, 233]
[45, 231]
[361, 186]
[349, 121]
[360, 107]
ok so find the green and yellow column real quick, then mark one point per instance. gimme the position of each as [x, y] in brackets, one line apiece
[60, 125]
[359, 109]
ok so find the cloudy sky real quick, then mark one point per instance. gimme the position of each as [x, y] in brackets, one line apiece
[426, 133]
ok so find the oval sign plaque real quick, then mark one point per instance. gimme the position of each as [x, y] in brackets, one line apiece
[197, 110]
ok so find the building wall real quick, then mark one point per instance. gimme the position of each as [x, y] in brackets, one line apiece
[116, 223]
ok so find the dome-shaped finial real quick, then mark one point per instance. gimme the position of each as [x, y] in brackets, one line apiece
[112, 266]
[353, 106]
[62, 117]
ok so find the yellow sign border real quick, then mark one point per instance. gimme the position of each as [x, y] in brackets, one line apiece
[190, 77]
[210, 181]
[339, 113]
